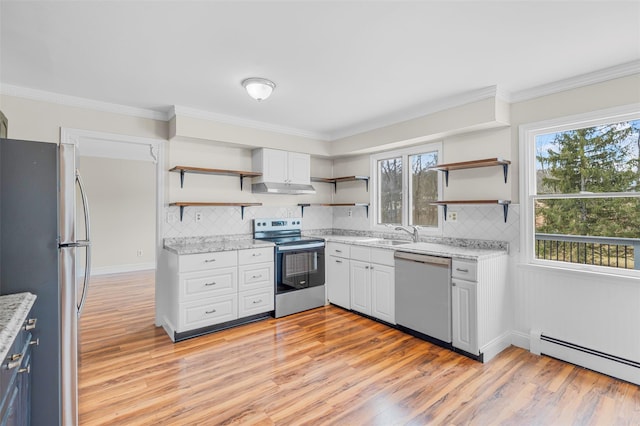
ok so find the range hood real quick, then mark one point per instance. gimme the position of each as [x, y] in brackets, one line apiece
[282, 188]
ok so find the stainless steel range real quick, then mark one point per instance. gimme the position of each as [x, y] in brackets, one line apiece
[299, 265]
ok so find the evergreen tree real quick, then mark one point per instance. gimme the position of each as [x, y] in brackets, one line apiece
[591, 160]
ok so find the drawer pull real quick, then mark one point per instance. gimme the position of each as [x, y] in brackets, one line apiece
[31, 324]
[462, 270]
[303, 282]
[26, 369]
[257, 276]
[257, 301]
[210, 312]
[35, 342]
[211, 283]
[338, 261]
[16, 360]
[338, 251]
[256, 254]
[209, 260]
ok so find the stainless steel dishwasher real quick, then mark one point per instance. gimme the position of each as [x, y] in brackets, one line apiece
[423, 294]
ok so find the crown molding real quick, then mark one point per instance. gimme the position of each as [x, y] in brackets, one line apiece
[611, 73]
[177, 110]
[73, 101]
[420, 111]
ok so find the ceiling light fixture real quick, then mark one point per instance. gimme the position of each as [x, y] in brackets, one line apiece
[258, 88]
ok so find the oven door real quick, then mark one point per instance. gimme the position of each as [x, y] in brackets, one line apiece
[299, 266]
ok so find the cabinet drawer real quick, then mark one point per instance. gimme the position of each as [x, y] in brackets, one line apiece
[337, 249]
[464, 269]
[360, 253]
[256, 276]
[202, 313]
[258, 255]
[382, 257]
[255, 302]
[210, 283]
[201, 261]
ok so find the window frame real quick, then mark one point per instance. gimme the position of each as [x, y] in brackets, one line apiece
[405, 153]
[528, 195]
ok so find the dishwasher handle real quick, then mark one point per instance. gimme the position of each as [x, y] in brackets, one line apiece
[423, 258]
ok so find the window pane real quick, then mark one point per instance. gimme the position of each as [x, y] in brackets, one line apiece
[594, 231]
[424, 189]
[390, 193]
[594, 159]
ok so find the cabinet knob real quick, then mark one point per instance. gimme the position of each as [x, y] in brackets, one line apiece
[30, 324]
[453, 284]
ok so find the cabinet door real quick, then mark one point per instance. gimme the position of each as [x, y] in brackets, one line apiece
[383, 290]
[338, 288]
[360, 281]
[464, 316]
[275, 165]
[299, 170]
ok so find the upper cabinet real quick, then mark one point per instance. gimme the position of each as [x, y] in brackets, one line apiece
[282, 166]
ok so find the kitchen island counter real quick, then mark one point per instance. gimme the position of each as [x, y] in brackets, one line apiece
[14, 309]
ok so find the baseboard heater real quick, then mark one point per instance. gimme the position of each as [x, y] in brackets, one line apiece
[612, 365]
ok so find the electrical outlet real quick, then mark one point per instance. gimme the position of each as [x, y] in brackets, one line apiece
[139, 253]
[198, 216]
[452, 216]
[172, 218]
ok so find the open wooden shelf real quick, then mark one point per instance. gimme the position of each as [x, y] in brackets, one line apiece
[204, 171]
[182, 205]
[335, 181]
[487, 162]
[445, 203]
[365, 205]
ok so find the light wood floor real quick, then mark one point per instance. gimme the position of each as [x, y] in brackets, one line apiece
[325, 366]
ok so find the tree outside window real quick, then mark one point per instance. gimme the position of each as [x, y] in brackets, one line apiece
[405, 187]
[587, 203]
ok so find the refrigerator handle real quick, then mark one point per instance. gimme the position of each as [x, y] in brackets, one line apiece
[87, 243]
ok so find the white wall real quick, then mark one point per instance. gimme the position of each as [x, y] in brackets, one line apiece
[122, 201]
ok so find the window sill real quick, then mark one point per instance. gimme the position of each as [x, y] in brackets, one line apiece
[587, 270]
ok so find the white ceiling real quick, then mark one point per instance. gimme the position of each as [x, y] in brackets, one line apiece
[340, 67]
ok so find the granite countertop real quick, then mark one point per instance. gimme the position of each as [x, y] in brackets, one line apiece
[14, 309]
[476, 251]
[196, 245]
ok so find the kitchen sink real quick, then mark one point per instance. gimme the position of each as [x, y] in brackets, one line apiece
[391, 242]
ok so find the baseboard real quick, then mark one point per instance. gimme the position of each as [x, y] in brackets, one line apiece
[119, 269]
[601, 362]
[496, 346]
[520, 340]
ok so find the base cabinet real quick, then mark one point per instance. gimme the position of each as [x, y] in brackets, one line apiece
[200, 291]
[372, 280]
[464, 316]
[337, 282]
[15, 382]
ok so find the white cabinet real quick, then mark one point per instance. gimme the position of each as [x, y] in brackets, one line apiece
[337, 274]
[479, 306]
[372, 280]
[282, 166]
[464, 315]
[202, 290]
[256, 288]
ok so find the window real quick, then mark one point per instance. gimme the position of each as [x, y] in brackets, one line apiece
[404, 187]
[582, 193]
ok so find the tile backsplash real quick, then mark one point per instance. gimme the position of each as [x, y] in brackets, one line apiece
[481, 222]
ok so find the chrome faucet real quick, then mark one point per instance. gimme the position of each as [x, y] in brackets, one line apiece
[411, 229]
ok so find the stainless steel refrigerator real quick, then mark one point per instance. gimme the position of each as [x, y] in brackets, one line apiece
[45, 250]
